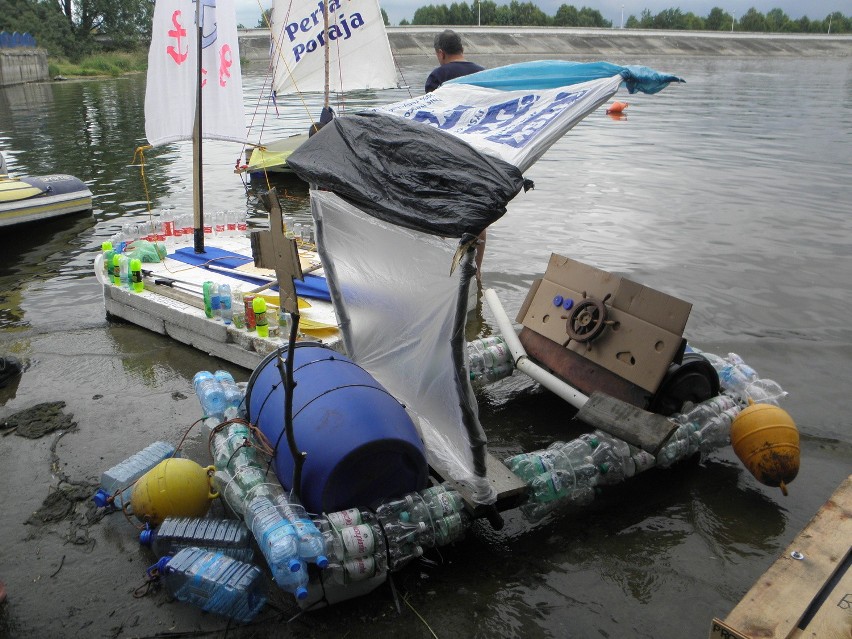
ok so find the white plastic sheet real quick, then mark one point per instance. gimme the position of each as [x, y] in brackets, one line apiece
[395, 298]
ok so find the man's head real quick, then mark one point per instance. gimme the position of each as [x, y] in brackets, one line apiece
[448, 46]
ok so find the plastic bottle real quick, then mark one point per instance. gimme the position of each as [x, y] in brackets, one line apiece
[259, 307]
[310, 539]
[451, 528]
[765, 391]
[349, 517]
[285, 322]
[215, 583]
[577, 498]
[275, 540]
[736, 375]
[557, 484]
[227, 443]
[642, 459]
[248, 304]
[107, 252]
[399, 556]
[360, 540]
[210, 393]
[613, 458]
[233, 394]
[227, 536]
[116, 269]
[441, 504]
[491, 374]
[391, 509]
[401, 533]
[124, 270]
[678, 447]
[122, 475]
[136, 283]
[562, 455]
[227, 311]
[207, 291]
[237, 307]
[355, 570]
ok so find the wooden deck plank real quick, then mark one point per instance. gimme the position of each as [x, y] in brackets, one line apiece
[777, 604]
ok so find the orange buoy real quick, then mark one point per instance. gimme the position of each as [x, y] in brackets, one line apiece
[175, 487]
[766, 440]
[616, 107]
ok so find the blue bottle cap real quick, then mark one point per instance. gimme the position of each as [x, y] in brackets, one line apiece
[101, 498]
[322, 562]
[557, 301]
[161, 565]
[294, 565]
[146, 536]
[301, 593]
[568, 304]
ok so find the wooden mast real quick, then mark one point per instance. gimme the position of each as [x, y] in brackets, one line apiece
[197, 180]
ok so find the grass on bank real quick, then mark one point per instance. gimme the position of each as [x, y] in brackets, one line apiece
[112, 64]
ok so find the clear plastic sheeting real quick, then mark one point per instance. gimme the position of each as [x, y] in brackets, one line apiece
[395, 298]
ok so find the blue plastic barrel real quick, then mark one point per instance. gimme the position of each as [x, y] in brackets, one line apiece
[361, 444]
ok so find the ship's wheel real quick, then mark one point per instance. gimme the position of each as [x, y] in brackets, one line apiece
[588, 319]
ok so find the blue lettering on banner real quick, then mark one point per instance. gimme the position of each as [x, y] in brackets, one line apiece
[307, 34]
[511, 123]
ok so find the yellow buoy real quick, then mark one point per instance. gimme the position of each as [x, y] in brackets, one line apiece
[175, 487]
[766, 440]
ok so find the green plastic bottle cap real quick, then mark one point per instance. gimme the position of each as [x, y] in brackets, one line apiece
[135, 264]
[116, 259]
[106, 246]
[258, 304]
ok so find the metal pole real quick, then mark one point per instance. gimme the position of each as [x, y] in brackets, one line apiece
[733, 17]
[197, 179]
[622, 16]
[479, 15]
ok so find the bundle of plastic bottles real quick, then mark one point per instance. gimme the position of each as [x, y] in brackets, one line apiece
[566, 474]
[285, 533]
[742, 382]
[489, 360]
[220, 396]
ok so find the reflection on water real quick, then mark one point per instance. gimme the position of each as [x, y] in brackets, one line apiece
[728, 192]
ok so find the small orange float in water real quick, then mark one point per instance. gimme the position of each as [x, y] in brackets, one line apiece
[616, 107]
[766, 440]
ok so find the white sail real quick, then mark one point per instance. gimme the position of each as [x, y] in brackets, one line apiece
[173, 73]
[359, 52]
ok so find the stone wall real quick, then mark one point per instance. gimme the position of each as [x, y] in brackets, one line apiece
[611, 44]
[18, 66]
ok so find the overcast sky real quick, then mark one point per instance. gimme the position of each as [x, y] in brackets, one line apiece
[248, 11]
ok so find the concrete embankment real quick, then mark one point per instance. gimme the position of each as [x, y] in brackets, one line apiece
[605, 43]
[18, 66]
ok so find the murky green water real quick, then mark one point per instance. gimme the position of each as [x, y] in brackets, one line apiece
[730, 191]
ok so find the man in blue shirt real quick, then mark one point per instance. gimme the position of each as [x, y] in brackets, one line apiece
[448, 48]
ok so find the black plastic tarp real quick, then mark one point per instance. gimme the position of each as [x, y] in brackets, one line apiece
[409, 174]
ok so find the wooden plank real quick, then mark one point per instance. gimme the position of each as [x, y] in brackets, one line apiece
[510, 489]
[648, 431]
[777, 605]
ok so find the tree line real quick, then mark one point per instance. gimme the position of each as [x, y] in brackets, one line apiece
[489, 13]
[75, 28]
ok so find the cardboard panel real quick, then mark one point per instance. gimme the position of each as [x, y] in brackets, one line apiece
[646, 325]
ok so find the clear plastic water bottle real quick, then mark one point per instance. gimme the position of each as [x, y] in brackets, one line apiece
[451, 528]
[613, 459]
[310, 539]
[232, 448]
[355, 570]
[582, 496]
[349, 517]
[440, 504]
[276, 541]
[715, 432]
[736, 375]
[238, 308]
[642, 459]
[215, 583]
[227, 536]
[678, 447]
[124, 270]
[561, 455]
[491, 374]
[556, 484]
[121, 476]
[391, 509]
[210, 393]
[765, 391]
[360, 540]
[233, 394]
[401, 533]
[399, 556]
[226, 309]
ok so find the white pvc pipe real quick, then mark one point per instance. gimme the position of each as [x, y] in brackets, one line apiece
[523, 363]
